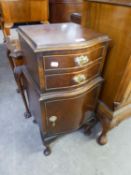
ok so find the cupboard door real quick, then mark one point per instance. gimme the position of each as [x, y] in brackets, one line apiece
[65, 115]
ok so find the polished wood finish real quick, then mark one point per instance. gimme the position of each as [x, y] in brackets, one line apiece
[77, 42]
[70, 109]
[110, 119]
[23, 11]
[61, 10]
[69, 78]
[93, 54]
[63, 76]
[105, 16]
[123, 96]
[63, 35]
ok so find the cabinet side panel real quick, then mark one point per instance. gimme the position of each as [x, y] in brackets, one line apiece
[35, 106]
[30, 60]
[116, 22]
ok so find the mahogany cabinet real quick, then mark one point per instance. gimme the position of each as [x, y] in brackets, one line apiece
[113, 17]
[61, 10]
[63, 75]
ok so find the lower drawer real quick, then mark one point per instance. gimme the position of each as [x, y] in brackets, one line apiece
[67, 114]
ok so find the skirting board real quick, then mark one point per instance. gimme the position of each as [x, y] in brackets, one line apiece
[122, 113]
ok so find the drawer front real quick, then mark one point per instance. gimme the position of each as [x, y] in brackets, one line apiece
[65, 115]
[72, 79]
[61, 62]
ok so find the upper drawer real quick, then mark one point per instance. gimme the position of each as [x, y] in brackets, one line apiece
[61, 62]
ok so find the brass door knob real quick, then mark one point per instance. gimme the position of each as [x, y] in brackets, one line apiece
[81, 60]
[53, 120]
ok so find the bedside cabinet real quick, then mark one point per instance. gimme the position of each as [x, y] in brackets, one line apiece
[62, 70]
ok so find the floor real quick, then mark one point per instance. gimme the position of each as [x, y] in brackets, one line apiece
[1, 37]
[21, 150]
[13, 32]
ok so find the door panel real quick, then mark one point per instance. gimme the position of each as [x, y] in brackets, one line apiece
[65, 115]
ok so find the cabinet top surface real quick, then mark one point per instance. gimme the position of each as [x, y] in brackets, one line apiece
[115, 2]
[59, 36]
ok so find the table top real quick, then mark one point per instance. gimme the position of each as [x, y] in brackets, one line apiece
[115, 2]
[59, 36]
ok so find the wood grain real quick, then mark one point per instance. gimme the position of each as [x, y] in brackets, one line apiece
[113, 18]
[119, 54]
[61, 10]
[24, 11]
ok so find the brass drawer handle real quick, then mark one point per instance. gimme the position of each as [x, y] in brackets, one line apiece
[53, 120]
[81, 60]
[79, 78]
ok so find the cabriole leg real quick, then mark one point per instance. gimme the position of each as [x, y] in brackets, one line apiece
[102, 139]
[47, 150]
[19, 77]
